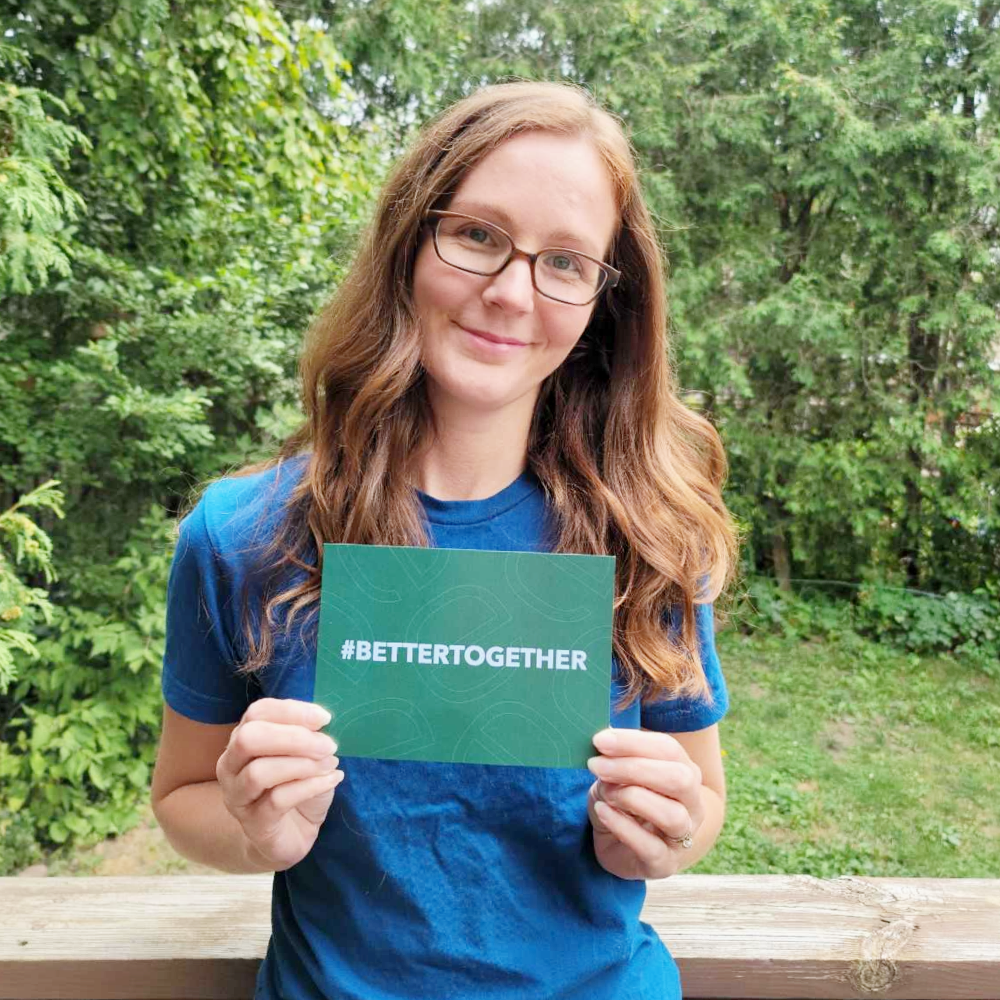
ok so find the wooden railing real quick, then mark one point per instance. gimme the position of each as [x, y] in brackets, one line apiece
[750, 936]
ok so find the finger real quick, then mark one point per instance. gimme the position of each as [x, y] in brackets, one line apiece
[667, 816]
[264, 773]
[638, 743]
[679, 780]
[264, 815]
[648, 848]
[258, 738]
[289, 711]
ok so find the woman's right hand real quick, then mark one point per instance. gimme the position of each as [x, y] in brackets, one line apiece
[278, 775]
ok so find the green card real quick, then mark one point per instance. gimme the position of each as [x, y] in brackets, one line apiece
[465, 656]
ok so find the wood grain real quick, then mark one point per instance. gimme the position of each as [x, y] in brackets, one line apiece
[764, 936]
[754, 937]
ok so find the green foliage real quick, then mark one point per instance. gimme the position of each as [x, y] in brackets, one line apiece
[208, 143]
[35, 202]
[765, 608]
[24, 547]
[18, 847]
[825, 177]
[80, 735]
[966, 625]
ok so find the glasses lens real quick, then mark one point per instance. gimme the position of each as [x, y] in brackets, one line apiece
[567, 276]
[471, 245]
[483, 249]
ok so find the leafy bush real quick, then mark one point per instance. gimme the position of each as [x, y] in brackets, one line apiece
[966, 625]
[763, 606]
[80, 738]
[23, 606]
[18, 847]
[179, 185]
[36, 202]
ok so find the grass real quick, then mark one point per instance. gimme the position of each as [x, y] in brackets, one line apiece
[844, 757]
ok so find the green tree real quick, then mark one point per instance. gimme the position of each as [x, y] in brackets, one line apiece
[36, 203]
[23, 545]
[193, 194]
[827, 176]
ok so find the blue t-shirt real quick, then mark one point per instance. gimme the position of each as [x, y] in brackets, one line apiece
[426, 880]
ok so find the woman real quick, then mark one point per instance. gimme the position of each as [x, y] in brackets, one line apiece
[491, 374]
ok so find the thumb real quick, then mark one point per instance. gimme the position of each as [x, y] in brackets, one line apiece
[314, 810]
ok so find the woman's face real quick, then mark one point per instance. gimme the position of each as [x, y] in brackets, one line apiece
[490, 341]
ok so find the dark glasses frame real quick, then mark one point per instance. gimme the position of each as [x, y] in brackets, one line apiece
[611, 276]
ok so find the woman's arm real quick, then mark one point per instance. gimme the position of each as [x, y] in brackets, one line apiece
[704, 749]
[187, 798]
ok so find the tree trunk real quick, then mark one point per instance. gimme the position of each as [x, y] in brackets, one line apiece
[782, 560]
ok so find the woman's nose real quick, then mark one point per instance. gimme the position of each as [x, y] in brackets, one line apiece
[512, 289]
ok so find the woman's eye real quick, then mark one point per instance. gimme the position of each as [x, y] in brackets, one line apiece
[564, 264]
[477, 234]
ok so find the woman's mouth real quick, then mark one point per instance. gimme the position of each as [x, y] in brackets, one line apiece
[485, 337]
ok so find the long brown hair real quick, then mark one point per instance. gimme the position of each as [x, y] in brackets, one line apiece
[627, 469]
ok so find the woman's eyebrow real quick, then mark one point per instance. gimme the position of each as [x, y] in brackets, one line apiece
[490, 212]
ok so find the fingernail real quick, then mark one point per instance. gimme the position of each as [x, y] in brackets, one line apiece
[595, 765]
[323, 715]
[606, 740]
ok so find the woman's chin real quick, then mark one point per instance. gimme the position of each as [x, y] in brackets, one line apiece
[480, 396]
[485, 401]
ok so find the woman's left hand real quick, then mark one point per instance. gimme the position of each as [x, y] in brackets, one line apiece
[647, 799]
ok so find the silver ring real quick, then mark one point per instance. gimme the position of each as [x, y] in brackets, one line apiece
[686, 842]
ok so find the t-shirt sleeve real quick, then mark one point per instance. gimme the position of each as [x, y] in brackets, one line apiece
[199, 678]
[685, 715]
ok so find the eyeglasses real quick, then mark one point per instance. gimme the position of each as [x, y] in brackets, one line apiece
[479, 247]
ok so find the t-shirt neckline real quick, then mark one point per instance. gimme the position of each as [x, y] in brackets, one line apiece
[475, 511]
